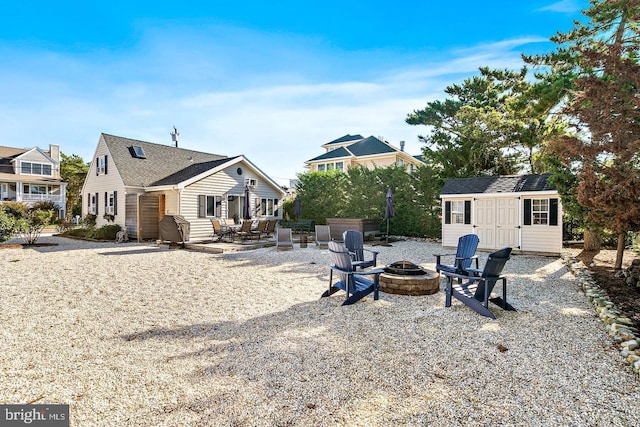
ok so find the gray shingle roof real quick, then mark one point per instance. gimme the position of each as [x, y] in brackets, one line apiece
[163, 165]
[370, 146]
[345, 138]
[498, 184]
[333, 154]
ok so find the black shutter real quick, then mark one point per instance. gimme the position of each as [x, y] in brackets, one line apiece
[88, 202]
[553, 211]
[447, 212]
[97, 205]
[527, 212]
[115, 203]
[467, 211]
[106, 201]
[97, 166]
[202, 206]
[105, 164]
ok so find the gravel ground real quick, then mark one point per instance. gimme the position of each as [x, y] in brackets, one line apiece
[137, 335]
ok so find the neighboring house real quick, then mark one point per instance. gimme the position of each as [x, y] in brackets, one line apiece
[32, 175]
[135, 184]
[523, 212]
[351, 150]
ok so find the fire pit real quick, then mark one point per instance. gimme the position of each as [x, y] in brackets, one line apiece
[406, 278]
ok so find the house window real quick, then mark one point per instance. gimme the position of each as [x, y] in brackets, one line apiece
[209, 206]
[410, 167]
[100, 165]
[540, 211]
[92, 204]
[320, 168]
[457, 212]
[110, 208]
[35, 168]
[268, 207]
[400, 162]
[329, 166]
[340, 166]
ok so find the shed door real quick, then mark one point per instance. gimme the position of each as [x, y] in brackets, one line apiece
[485, 224]
[507, 223]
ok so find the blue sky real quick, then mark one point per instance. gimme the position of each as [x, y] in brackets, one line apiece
[270, 80]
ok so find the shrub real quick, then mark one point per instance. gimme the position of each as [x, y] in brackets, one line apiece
[89, 222]
[8, 226]
[107, 232]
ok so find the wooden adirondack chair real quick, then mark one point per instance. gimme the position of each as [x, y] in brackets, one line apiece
[475, 286]
[354, 241]
[349, 280]
[464, 255]
[323, 236]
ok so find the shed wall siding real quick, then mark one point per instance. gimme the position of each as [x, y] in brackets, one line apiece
[131, 215]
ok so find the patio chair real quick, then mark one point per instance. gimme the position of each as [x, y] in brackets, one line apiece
[260, 228]
[464, 255]
[323, 236]
[245, 230]
[271, 228]
[474, 287]
[221, 232]
[349, 280]
[284, 242]
[354, 241]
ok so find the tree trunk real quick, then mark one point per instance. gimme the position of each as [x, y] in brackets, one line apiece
[591, 240]
[620, 251]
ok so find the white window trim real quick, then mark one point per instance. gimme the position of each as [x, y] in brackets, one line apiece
[457, 211]
[540, 212]
[42, 165]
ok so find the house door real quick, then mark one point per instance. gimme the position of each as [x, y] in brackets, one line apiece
[507, 223]
[161, 207]
[234, 208]
[485, 224]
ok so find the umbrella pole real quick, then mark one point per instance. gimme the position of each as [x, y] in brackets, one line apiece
[387, 230]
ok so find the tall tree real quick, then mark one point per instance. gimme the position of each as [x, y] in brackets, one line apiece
[73, 170]
[490, 125]
[603, 55]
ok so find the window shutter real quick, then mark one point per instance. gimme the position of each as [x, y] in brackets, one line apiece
[259, 207]
[97, 205]
[105, 164]
[202, 206]
[467, 211]
[527, 212]
[88, 202]
[97, 166]
[106, 201]
[115, 203]
[553, 211]
[219, 206]
[447, 212]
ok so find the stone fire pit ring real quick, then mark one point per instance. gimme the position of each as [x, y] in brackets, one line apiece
[407, 278]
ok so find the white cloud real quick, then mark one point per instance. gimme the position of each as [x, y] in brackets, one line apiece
[562, 6]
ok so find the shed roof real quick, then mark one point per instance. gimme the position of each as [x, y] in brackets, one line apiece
[498, 184]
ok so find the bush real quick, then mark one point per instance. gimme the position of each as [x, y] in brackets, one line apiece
[8, 226]
[89, 222]
[107, 232]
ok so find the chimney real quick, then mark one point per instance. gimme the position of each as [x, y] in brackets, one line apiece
[401, 145]
[174, 136]
[54, 152]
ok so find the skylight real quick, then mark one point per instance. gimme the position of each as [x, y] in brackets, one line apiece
[138, 152]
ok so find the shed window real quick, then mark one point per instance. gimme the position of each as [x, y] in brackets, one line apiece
[540, 211]
[457, 212]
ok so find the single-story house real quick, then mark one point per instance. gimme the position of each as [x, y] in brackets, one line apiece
[136, 183]
[523, 212]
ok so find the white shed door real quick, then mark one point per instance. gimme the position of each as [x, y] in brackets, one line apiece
[507, 223]
[485, 224]
[496, 222]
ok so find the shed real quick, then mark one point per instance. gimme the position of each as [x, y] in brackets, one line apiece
[520, 211]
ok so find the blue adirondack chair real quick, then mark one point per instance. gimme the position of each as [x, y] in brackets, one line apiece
[354, 241]
[465, 254]
[349, 280]
[474, 287]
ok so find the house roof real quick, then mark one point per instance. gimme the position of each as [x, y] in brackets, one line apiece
[498, 184]
[369, 146]
[333, 154]
[162, 165]
[345, 138]
[7, 154]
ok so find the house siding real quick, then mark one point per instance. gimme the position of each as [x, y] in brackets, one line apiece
[104, 183]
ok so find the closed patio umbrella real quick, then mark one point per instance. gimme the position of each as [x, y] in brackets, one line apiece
[246, 212]
[297, 209]
[389, 213]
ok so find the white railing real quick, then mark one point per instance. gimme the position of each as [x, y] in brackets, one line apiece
[31, 198]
